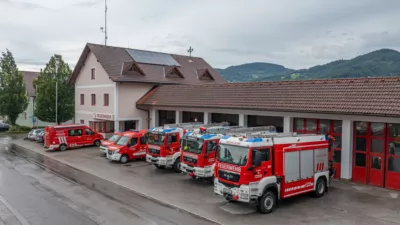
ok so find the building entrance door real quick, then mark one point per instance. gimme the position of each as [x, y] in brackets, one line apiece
[130, 125]
[392, 180]
[369, 153]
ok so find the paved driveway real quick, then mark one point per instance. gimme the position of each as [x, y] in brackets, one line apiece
[346, 203]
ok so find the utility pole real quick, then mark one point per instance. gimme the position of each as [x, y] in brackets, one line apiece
[56, 96]
[104, 29]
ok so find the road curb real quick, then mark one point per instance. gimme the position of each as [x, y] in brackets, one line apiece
[100, 185]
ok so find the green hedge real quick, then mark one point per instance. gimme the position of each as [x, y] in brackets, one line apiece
[19, 129]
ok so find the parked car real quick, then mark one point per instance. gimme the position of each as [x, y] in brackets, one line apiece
[33, 133]
[4, 126]
[39, 137]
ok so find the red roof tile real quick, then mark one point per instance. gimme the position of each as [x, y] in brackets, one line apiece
[361, 96]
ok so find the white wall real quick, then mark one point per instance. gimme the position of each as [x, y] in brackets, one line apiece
[101, 85]
[128, 95]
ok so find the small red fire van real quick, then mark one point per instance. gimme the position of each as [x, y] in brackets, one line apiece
[62, 137]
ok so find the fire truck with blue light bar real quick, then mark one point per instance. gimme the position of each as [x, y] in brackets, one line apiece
[265, 168]
[198, 148]
[164, 144]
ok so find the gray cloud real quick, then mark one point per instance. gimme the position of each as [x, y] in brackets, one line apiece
[293, 33]
[23, 5]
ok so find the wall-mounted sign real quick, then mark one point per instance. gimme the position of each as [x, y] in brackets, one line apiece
[103, 116]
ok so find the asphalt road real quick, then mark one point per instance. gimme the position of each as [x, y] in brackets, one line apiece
[31, 195]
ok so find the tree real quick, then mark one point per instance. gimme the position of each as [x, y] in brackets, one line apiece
[13, 97]
[55, 72]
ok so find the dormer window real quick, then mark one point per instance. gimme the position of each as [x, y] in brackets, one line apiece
[173, 72]
[131, 68]
[204, 74]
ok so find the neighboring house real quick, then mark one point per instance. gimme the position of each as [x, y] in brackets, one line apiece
[26, 118]
[109, 80]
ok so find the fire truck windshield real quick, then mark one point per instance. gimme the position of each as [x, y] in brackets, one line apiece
[114, 138]
[155, 138]
[123, 141]
[193, 146]
[232, 154]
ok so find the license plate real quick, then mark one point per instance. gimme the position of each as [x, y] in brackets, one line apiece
[227, 191]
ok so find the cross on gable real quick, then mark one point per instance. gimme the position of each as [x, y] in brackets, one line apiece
[190, 50]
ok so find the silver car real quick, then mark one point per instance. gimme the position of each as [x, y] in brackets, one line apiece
[34, 133]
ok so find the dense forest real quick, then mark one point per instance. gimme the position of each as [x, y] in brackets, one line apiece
[384, 62]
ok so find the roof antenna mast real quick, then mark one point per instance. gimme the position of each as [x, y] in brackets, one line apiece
[104, 29]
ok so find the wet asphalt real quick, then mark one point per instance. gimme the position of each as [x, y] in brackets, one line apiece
[32, 195]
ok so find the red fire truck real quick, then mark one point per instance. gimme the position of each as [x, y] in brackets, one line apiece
[263, 169]
[164, 144]
[107, 142]
[112, 140]
[62, 137]
[198, 148]
[132, 145]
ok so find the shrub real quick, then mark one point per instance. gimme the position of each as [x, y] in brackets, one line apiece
[19, 129]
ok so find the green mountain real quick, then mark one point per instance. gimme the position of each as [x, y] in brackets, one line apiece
[251, 71]
[384, 62]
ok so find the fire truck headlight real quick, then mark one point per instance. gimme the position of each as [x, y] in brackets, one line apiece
[116, 151]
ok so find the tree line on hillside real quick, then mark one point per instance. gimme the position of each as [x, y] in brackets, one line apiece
[13, 92]
[384, 62]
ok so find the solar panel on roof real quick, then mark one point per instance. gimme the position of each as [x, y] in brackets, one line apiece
[152, 57]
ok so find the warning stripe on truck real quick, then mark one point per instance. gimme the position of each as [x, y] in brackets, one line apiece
[320, 166]
[63, 140]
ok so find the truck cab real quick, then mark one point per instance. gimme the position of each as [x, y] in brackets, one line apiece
[164, 147]
[131, 145]
[198, 150]
[107, 142]
[264, 168]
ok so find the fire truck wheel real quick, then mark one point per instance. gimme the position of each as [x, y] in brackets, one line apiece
[320, 187]
[267, 202]
[159, 167]
[124, 159]
[177, 165]
[97, 143]
[63, 147]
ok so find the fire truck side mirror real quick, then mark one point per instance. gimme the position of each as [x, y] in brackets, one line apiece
[217, 149]
[258, 158]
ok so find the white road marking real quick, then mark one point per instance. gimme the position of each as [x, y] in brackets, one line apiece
[17, 215]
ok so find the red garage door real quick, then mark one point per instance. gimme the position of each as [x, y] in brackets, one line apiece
[393, 157]
[369, 153]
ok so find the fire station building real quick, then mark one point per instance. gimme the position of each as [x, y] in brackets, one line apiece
[362, 114]
[110, 80]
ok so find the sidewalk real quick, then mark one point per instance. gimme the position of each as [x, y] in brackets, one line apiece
[346, 203]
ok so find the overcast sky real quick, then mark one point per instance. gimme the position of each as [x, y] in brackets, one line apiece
[293, 33]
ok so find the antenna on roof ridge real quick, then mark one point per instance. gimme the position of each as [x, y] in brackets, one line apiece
[104, 29]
